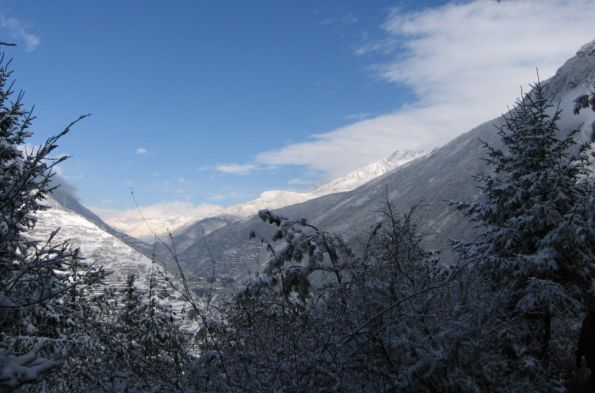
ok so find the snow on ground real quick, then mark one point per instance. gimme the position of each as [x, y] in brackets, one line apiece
[96, 245]
[101, 248]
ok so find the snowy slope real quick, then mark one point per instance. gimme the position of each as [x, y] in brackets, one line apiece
[64, 196]
[100, 247]
[445, 174]
[361, 176]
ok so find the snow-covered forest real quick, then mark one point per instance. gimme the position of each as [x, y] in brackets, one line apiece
[502, 313]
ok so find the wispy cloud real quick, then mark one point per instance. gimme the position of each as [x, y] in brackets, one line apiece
[17, 30]
[237, 169]
[465, 61]
[141, 150]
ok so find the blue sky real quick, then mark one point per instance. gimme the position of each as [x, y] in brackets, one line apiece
[214, 102]
[194, 84]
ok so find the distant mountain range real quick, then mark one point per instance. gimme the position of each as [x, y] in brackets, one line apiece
[175, 221]
[277, 199]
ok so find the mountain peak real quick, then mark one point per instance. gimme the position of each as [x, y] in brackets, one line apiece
[578, 71]
[587, 50]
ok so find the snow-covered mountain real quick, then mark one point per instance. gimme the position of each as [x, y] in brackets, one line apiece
[192, 235]
[64, 196]
[96, 244]
[181, 216]
[279, 198]
[102, 246]
[121, 254]
[361, 176]
[445, 174]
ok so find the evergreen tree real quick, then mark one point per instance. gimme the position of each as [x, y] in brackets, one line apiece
[56, 332]
[586, 101]
[533, 202]
[139, 337]
[39, 281]
[532, 207]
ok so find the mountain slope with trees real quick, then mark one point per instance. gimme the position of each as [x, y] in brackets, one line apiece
[444, 175]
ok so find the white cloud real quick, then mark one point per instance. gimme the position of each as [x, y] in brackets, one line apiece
[141, 150]
[158, 218]
[237, 169]
[17, 30]
[465, 61]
